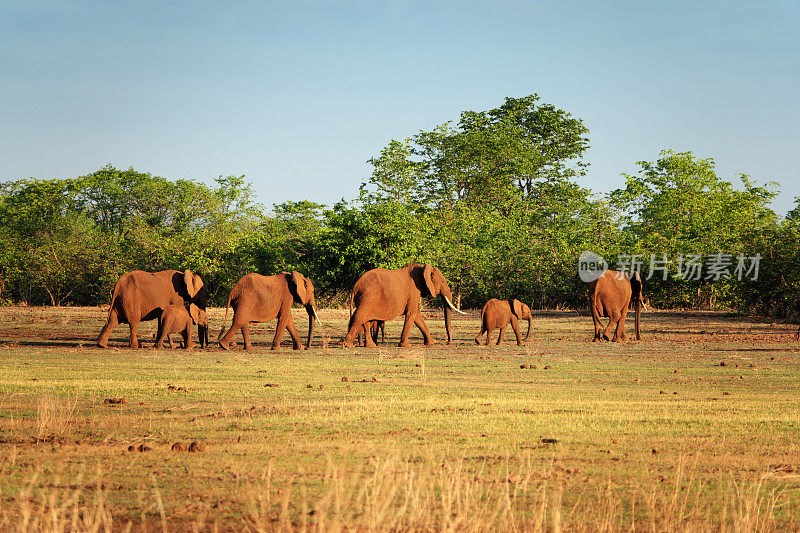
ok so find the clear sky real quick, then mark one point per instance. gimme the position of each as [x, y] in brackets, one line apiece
[297, 95]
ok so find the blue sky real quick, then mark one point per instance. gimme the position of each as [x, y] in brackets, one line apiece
[297, 95]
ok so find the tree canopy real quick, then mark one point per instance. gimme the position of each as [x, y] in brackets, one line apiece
[492, 200]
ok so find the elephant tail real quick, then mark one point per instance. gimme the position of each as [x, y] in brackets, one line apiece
[225, 320]
[352, 294]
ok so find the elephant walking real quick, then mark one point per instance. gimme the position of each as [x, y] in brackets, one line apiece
[497, 314]
[140, 296]
[257, 298]
[610, 296]
[179, 319]
[382, 294]
[372, 328]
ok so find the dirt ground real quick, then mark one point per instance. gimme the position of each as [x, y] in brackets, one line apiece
[694, 427]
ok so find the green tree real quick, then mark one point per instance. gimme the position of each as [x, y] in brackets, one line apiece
[678, 206]
[354, 240]
[51, 250]
[494, 156]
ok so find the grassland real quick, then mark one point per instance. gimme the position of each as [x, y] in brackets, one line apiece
[656, 434]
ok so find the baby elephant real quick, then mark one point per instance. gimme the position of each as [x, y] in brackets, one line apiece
[498, 313]
[373, 327]
[179, 319]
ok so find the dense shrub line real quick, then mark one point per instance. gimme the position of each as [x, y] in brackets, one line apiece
[492, 201]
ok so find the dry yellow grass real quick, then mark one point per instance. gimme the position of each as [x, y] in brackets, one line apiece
[655, 435]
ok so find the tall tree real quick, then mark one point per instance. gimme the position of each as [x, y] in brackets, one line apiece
[496, 156]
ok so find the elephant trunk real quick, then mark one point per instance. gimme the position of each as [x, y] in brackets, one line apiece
[529, 328]
[638, 307]
[312, 315]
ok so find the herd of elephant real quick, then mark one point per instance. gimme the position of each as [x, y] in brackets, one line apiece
[178, 301]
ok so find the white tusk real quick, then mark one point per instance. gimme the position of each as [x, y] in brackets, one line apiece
[315, 315]
[453, 307]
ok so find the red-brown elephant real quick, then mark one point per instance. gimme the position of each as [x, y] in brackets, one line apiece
[257, 298]
[140, 296]
[179, 319]
[372, 328]
[497, 314]
[610, 296]
[382, 294]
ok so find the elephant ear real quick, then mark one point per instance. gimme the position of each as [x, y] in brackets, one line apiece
[516, 308]
[427, 275]
[193, 283]
[194, 312]
[300, 286]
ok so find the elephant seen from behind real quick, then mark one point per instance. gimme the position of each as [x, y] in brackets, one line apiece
[497, 314]
[610, 296]
[381, 294]
[257, 298]
[140, 296]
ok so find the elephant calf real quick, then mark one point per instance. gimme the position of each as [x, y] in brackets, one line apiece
[497, 314]
[179, 319]
[372, 328]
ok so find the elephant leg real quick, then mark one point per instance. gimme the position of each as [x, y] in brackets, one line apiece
[409, 321]
[369, 340]
[369, 330]
[612, 322]
[597, 324]
[296, 343]
[488, 336]
[361, 338]
[515, 327]
[276, 342]
[133, 342]
[188, 342]
[171, 345]
[619, 333]
[478, 337]
[246, 336]
[500, 336]
[236, 325]
[423, 327]
[356, 324]
[159, 345]
[113, 321]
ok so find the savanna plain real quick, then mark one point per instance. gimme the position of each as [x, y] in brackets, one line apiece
[695, 427]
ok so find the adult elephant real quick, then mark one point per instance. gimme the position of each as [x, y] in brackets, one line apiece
[140, 296]
[497, 314]
[382, 294]
[257, 298]
[610, 296]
